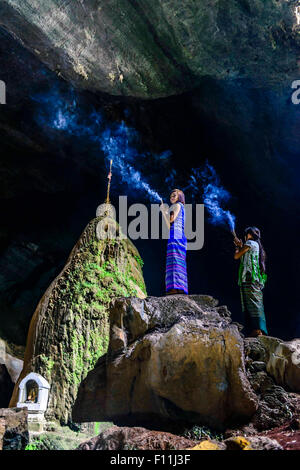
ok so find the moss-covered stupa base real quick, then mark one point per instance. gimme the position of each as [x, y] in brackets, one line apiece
[69, 330]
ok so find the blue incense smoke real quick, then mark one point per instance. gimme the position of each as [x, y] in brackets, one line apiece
[214, 195]
[117, 141]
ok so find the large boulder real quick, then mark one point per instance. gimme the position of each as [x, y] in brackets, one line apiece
[172, 358]
[69, 330]
[158, 48]
[135, 438]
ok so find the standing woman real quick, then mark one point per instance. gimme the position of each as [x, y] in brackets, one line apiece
[252, 278]
[176, 274]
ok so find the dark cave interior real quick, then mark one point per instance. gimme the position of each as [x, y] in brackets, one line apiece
[52, 183]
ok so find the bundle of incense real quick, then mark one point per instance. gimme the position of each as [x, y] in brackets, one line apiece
[234, 234]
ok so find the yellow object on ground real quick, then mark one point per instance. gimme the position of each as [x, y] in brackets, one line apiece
[205, 445]
[238, 443]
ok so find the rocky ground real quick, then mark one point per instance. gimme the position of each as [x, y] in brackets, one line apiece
[288, 435]
[179, 361]
[179, 369]
[178, 374]
[134, 438]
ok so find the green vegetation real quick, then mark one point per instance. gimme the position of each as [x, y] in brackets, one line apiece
[97, 428]
[64, 437]
[45, 442]
[49, 363]
[139, 260]
[202, 432]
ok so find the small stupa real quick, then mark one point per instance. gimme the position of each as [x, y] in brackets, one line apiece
[69, 330]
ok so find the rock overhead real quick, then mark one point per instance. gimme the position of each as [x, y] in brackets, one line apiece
[158, 48]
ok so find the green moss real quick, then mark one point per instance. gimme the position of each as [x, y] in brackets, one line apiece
[77, 320]
[48, 364]
[139, 260]
[33, 446]
[97, 428]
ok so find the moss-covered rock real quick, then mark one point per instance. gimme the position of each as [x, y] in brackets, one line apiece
[69, 330]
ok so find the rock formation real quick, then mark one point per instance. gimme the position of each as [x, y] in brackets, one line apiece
[126, 438]
[69, 330]
[159, 48]
[274, 373]
[170, 358]
[282, 359]
[13, 429]
[6, 386]
[177, 364]
[10, 369]
[136, 438]
[12, 357]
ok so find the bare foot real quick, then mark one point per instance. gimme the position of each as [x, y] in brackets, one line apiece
[175, 291]
[256, 333]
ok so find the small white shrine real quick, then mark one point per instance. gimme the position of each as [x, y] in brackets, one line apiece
[33, 395]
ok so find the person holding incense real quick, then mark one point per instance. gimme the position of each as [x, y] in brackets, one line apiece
[251, 279]
[176, 273]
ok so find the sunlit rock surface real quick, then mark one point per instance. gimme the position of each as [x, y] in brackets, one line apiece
[158, 48]
[281, 359]
[170, 358]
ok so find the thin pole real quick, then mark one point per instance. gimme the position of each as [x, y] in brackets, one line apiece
[108, 185]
